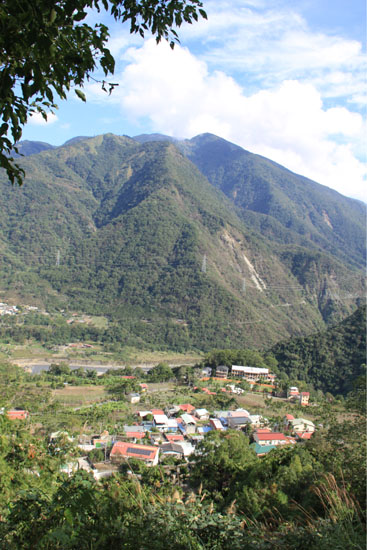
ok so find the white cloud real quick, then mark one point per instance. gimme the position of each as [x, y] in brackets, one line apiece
[287, 123]
[271, 42]
[38, 120]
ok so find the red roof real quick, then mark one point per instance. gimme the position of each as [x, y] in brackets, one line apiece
[305, 393]
[304, 435]
[133, 450]
[272, 436]
[187, 408]
[145, 386]
[174, 437]
[156, 411]
[289, 416]
[17, 415]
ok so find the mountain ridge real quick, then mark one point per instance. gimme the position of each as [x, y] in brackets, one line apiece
[132, 223]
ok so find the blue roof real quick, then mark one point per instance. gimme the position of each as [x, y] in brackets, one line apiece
[205, 429]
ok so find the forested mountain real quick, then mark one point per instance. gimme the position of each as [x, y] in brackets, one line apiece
[26, 148]
[133, 229]
[331, 360]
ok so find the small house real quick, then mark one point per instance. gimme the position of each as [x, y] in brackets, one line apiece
[122, 451]
[272, 438]
[174, 437]
[262, 450]
[238, 412]
[302, 425]
[187, 408]
[161, 421]
[133, 397]
[171, 449]
[172, 425]
[206, 371]
[287, 421]
[189, 423]
[173, 410]
[238, 422]
[201, 414]
[216, 424]
[221, 371]
[204, 429]
[134, 433]
[187, 447]
[256, 420]
[292, 392]
[304, 398]
[17, 414]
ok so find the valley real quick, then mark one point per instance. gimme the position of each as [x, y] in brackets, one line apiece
[182, 351]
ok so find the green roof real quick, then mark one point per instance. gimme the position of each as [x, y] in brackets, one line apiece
[262, 449]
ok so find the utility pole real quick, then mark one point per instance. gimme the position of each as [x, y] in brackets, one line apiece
[203, 265]
[58, 258]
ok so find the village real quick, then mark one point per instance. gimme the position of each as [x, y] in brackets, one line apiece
[176, 430]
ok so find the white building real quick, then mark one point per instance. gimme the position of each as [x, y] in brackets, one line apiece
[251, 374]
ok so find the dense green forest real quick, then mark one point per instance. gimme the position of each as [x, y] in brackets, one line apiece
[331, 360]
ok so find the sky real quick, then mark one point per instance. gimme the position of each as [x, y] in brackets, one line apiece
[285, 79]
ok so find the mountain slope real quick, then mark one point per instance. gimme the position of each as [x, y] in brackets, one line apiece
[26, 148]
[286, 207]
[135, 231]
[332, 359]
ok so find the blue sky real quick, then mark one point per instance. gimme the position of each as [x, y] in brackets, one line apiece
[284, 79]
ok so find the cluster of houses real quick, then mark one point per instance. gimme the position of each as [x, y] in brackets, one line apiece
[177, 431]
[6, 309]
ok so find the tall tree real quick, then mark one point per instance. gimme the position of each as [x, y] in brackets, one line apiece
[46, 48]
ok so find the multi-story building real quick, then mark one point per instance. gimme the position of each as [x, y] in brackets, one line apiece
[251, 374]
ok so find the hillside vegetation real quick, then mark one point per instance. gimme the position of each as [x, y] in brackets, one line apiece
[135, 231]
[331, 360]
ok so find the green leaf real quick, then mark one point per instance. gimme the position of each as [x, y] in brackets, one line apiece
[81, 95]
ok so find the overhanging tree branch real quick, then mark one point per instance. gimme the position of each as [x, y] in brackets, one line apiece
[46, 49]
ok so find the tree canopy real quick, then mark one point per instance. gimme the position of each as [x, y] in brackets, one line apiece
[47, 48]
